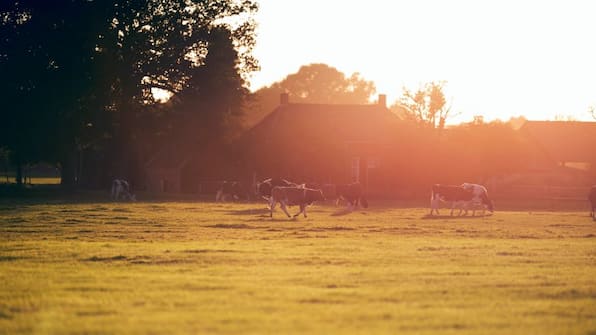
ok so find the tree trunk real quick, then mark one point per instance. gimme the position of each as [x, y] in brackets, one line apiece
[19, 171]
[68, 170]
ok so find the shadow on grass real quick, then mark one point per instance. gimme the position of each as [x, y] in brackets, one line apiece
[251, 211]
[10, 258]
[454, 217]
[232, 226]
[341, 212]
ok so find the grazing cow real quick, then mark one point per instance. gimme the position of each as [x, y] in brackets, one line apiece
[291, 196]
[462, 196]
[480, 197]
[230, 189]
[121, 190]
[264, 187]
[352, 194]
[453, 194]
[592, 199]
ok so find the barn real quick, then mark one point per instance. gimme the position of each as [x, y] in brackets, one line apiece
[325, 143]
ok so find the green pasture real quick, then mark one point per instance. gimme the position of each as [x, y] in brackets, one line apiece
[211, 268]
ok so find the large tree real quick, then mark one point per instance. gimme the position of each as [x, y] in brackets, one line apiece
[157, 44]
[314, 83]
[210, 105]
[78, 72]
[47, 84]
[426, 106]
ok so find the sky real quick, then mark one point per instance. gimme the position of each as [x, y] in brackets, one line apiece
[499, 58]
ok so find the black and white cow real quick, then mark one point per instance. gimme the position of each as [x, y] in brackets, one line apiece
[592, 199]
[263, 188]
[230, 190]
[121, 190]
[463, 196]
[292, 196]
[480, 197]
[352, 194]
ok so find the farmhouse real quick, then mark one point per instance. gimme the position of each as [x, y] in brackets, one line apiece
[324, 143]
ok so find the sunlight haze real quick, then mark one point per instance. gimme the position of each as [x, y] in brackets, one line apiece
[499, 58]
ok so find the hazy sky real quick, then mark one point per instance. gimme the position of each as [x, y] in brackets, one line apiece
[500, 58]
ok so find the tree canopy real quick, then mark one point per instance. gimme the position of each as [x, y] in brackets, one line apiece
[426, 106]
[80, 73]
[314, 83]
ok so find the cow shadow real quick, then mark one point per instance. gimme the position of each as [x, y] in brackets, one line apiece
[342, 212]
[454, 217]
[261, 211]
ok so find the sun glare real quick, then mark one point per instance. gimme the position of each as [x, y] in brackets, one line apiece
[160, 95]
[500, 59]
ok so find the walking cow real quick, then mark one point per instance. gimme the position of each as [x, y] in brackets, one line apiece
[291, 196]
[264, 188]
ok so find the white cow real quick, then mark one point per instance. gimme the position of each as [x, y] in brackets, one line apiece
[121, 190]
[479, 198]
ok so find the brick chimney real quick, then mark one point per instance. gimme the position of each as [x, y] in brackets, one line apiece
[284, 99]
[382, 100]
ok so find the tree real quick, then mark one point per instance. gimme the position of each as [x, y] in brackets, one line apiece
[88, 67]
[491, 149]
[320, 83]
[46, 64]
[592, 111]
[314, 83]
[210, 104]
[156, 44]
[426, 106]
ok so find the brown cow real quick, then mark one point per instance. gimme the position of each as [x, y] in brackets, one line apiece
[291, 196]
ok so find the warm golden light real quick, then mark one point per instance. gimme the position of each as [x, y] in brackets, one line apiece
[499, 58]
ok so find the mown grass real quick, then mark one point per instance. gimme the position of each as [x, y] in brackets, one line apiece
[207, 268]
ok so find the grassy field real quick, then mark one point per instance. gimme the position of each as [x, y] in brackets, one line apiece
[207, 268]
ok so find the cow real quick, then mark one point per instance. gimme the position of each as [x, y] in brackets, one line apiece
[230, 190]
[462, 196]
[453, 194]
[592, 199]
[121, 190]
[480, 197]
[352, 194]
[264, 187]
[292, 196]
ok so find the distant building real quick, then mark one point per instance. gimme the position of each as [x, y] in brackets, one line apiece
[562, 162]
[324, 143]
[562, 143]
